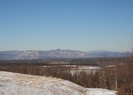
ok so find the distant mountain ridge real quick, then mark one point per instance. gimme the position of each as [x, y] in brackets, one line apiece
[51, 54]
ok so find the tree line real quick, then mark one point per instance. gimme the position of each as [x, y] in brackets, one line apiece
[117, 75]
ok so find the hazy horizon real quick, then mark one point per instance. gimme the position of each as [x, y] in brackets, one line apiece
[83, 25]
[70, 49]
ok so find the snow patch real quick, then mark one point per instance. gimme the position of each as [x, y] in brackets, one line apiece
[22, 84]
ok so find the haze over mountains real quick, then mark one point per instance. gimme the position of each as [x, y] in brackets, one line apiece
[51, 54]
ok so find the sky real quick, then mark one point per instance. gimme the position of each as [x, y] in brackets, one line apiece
[83, 25]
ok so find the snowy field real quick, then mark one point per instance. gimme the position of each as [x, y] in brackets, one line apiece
[87, 69]
[22, 84]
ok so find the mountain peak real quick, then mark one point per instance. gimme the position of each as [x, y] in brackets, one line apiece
[58, 53]
[58, 49]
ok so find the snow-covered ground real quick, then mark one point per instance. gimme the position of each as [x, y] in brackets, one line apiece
[22, 84]
[87, 69]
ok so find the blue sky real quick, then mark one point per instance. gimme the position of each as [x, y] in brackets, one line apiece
[66, 24]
